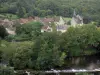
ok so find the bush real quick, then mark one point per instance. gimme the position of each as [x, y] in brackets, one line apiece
[3, 32]
[6, 71]
[29, 30]
[10, 37]
[22, 57]
[46, 53]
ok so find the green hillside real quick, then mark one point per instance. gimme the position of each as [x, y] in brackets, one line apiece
[87, 8]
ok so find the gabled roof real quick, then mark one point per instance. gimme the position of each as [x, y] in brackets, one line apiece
[6, 23]
[10, 31]
[26, 20]
[78, 19]
[46, 21]
[45, 27]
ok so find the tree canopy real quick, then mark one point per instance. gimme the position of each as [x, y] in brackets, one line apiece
[87, 8]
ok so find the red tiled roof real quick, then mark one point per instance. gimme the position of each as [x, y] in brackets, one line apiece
[26, 20]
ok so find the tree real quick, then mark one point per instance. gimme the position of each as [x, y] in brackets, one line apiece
[21, 51]
[46, 53]
[29, 30]
[0, 52]
[3, 32]
[22, 57]
[6, 71]
[77, 40]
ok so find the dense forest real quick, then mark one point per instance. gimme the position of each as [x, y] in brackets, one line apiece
[87, 8]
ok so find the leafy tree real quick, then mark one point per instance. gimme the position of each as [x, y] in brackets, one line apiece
[79, 39]
[6, 71]
[87, 8]
[46, 53]
[3, 32]
[11, 52]
[0, 55]
[22, 57]
[30, 30]
[21, 10]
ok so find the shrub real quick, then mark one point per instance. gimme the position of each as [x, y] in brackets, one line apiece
[6, 71]
[3, 32]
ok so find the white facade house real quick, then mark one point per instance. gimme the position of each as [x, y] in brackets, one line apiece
[60, 22]
[61, 26]
[46, 28]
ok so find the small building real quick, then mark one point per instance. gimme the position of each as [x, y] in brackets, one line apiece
[6, 23]
[61, 25]
[46, 28]
[76, 20]
[47, 21]
[62, 28]
[11, 32]
[26, 20]
[60, 22]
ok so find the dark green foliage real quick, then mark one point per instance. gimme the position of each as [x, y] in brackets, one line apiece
[17, 54]
[10, 38]
[87, 8]
[22, 58]
[3, 32]
[78, 40]
[46, 53]
[48, 50]
[0, 55]
[29, 30]
[6, 71]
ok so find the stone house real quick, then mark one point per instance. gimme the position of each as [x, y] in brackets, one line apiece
[47, 21]
[46, 28]
[8, 25]
[61, 25]
[60, 22]
[76, 20]
[26, 20]
[61, 28]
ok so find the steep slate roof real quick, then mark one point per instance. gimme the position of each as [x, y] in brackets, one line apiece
[76, 19]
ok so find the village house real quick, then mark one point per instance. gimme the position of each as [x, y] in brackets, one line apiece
[11, 32]
[26, 20]
[8, 25]
[76, 20]
[47, 21]
[62, 28]
[47, 24]
[46, 28]
[61, 25]
[60, 22]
